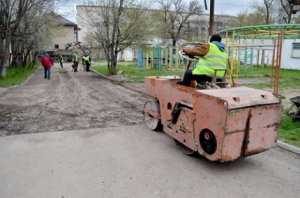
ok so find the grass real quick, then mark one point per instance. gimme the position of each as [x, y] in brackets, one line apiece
[136, 74]
[288, 78]
[16, 75]
[289, 131]
[254, 72]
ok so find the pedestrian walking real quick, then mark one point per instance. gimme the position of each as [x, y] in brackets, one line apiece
[47, 62]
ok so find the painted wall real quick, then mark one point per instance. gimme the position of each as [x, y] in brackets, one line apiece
[61, 35]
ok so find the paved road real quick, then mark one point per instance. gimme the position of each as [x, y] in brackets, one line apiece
[120, 157]
[131, 161]
[68, 101]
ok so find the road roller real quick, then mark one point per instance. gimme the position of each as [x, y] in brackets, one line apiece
[222, 124]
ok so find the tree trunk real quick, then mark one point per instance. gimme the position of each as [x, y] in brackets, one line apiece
[114, 65]
[267, 16]
[174, 42]
[4, 54]
[112, 61]
[289, 17]
[26, 57]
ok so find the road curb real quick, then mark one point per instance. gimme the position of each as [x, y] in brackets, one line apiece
[288, 147]
[106, 77]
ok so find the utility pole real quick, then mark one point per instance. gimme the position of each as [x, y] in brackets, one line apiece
[211, 17]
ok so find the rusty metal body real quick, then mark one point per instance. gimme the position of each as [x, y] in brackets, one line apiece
[219, 124]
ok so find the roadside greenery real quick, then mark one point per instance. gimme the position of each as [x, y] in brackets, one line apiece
[137, 74]
[16, 75]
[289, 131]
[288, 78]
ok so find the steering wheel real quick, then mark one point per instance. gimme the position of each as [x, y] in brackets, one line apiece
[184, 56]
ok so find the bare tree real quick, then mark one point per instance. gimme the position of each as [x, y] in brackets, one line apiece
[175, 15]
[286, 11]
[19, 26]
[263, 11]
[250, 18]
[268, 8]
[115, 25]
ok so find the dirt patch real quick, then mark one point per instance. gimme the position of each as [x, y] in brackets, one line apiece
[66, 102]
[2, 90]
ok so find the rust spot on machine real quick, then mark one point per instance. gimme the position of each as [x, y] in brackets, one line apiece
[220, 124]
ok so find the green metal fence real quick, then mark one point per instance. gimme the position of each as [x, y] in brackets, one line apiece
[159, 57]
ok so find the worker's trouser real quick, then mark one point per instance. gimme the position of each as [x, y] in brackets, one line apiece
[87, 67]
[189, 77]
[47, 73]
[61, 64]
[75, 66]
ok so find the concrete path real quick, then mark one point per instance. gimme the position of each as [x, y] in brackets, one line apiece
[131, 161]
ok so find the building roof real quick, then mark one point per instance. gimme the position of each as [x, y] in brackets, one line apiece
[62, 20]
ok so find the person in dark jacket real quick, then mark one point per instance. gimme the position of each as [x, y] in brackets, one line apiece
[47, 63]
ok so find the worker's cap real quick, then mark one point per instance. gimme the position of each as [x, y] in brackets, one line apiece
[216, 37]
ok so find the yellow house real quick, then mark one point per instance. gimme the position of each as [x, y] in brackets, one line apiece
[61, 31]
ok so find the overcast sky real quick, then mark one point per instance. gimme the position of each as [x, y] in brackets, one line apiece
[229, 7]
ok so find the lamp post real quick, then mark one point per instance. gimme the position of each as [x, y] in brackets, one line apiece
[211, 17]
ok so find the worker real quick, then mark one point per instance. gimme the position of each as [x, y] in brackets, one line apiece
[86, 61]
[60, 59]
[212, 63]
[75, 62]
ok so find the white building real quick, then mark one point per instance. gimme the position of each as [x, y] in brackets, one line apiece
[291, 54]
[260, 52]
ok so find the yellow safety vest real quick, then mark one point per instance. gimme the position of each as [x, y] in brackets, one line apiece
[75, 57]
[86, 59]
[214, 60]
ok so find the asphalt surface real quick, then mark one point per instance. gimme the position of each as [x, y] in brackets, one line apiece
[66, 102]
[119, 157]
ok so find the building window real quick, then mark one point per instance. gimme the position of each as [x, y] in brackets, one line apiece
[296, 50]
[56, 46]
